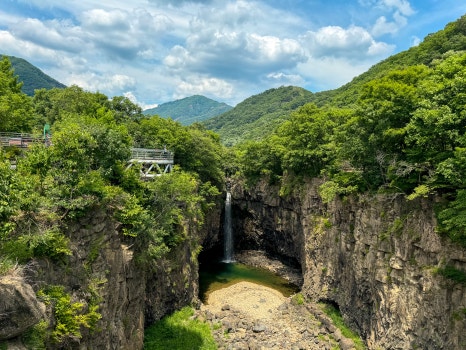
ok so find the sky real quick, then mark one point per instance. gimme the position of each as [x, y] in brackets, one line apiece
[156, 51]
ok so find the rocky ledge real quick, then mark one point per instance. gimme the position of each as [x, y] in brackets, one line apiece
[249, 316]
[259, 258]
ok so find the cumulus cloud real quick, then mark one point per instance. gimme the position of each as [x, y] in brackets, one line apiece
[402, 6]
[156, 50]
[102, 82]
[199, 85]
[130, 96]
[52, 34]
[329, 72]
[352, 43]
[123, 34]
[235, 54]
[280, 79]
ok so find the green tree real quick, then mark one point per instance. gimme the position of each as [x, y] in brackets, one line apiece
[436, 133]
[15, 107]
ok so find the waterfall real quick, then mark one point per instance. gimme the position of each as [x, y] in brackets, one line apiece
[228, 232]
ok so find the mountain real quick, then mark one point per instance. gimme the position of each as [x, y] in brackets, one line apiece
[258, 115]
[32, 77]
[190, 109]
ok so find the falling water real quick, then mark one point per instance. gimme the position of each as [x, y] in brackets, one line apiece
[228, 232]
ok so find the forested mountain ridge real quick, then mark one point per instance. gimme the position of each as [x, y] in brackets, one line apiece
[258, 115]
[190, 109]
[32, 77]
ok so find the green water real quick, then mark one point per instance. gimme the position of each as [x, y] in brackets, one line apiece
[214, 276]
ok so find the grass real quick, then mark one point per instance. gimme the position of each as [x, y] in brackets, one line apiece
[179, 331]
[335, 315]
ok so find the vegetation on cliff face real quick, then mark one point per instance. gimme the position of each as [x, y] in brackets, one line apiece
[179, 331]
[83, 169]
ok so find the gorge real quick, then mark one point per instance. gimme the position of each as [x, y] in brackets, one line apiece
[376, 257]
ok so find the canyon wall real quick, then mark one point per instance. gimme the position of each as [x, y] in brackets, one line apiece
[376, 257]
[103, 269]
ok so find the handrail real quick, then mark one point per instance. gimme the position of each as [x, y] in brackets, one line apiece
[17, 139]
[23, 140]
[151, 154]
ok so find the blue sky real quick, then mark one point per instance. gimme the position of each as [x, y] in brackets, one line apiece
[155, 51]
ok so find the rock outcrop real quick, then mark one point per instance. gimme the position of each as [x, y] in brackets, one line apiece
[103, 269]
[19, 307]
[376, 257]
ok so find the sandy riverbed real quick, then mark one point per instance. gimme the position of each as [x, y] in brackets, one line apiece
[251, 299]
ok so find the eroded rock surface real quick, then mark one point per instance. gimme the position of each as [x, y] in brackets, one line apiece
[19, 307]
[374, 256]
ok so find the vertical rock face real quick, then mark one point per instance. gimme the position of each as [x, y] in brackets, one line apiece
[376, 257]
[103, 270]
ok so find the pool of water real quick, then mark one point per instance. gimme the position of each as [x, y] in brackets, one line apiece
[218, 275]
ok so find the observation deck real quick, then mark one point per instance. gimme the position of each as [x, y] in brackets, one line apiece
[153, 162]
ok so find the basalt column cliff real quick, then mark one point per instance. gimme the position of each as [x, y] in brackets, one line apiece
[377, 257]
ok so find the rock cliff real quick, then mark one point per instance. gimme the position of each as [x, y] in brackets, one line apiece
[103, 269]
[376, 257]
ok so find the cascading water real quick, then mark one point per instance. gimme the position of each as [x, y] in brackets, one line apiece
[228, 232]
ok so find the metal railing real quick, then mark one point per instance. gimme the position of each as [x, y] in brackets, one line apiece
[152, 154]
[15, 139]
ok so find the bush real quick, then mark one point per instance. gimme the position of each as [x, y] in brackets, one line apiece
[69, 316]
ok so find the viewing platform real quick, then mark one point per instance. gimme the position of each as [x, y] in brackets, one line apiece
[154, 162]
[21, 140]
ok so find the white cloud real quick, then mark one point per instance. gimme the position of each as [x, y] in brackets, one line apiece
[415, 41]
[330, 72]
[354, 43]
[280, 78]
[198, 85]
[383, 26]
[401, 6]
[130, 96]
[156, 50]
[105, 82]
[53, 34]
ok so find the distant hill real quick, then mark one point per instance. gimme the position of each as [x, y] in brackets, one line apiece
[258, 115]
[32, 77]
[190, 109]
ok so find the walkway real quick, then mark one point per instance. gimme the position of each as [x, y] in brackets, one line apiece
[153, 162]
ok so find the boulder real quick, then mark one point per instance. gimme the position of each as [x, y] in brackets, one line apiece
[19, 307]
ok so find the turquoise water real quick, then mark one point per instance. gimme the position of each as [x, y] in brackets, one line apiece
[218, 275]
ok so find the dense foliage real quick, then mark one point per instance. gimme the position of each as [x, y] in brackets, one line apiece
[189, 110]
[258, 115]
[404, 132]
[84, 168]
